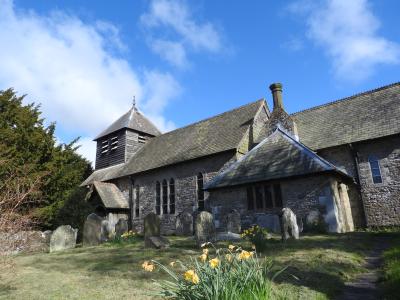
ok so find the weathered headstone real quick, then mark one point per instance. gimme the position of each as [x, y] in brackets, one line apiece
[269, 221]
[205, 229]
[92, 234]
[151, 230]
[106, 232]
[184, 224]
[158, 242]
[121, 227]
[151, 225]
[64, 237]
[233, 222]
[289, 224]
[313, 218]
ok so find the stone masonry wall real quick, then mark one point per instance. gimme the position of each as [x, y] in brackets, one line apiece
[381, 200]
[301, 195]
[185, 177]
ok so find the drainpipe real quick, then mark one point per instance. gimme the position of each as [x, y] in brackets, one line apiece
[356, 158]
[130, 215]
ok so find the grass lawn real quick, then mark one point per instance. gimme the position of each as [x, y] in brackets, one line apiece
[391, 278]
[318, 266]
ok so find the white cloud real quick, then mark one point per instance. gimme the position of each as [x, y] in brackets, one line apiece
[348, 33]
[175, 16]
[173, 52]
[76, 71]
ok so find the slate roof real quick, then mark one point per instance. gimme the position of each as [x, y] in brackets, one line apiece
[276, 157]
[133, 119]
[110, 195]
[210, 136]
[364, 116]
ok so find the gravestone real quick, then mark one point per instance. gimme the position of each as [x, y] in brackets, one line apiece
[184, 224]
[92, 233]
[289, 224]
[106, 232]
[205, 229]
[64, 237]
[121, 227]
[269, 221]
[151, 229]
[151, 225]
[233, 223]
[313, 218]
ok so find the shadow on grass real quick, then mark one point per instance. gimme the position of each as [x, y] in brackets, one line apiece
[6, 289]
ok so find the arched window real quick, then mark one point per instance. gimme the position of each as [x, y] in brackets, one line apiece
[164, 197]
[158, 198]
[171, 196]
[375, 169]
[200, 191]
[137, 201]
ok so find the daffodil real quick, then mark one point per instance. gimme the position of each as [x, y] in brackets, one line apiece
[148, 266]
[214, 263]
[231, 247]
[229, 257]
[205, 251]
[244, 255]
[203, 257]
[172, 263]
[191, 276]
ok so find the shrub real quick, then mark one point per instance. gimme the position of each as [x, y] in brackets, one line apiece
[233, 273]
[257, 236]
[392, 272]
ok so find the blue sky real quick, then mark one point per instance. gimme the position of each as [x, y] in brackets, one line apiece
[188, 60]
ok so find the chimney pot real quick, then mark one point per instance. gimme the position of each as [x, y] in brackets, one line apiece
[276, 89]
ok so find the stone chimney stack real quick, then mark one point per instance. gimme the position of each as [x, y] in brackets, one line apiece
[276, 89]
[279, 117]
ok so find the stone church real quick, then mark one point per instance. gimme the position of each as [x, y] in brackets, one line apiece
[339, 160]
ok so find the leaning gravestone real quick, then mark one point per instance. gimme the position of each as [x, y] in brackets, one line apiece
[121, 227]
[158, 242]
[151, 228]
[184, 224]
[289, 224]
[151, 225]
[64, 237]
[205, 228]
[233, 223]
[92, 233]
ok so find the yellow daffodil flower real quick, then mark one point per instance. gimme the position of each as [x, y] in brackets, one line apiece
[244, 255]
[148, 266]
[231, 247]
[214, 263]
[203, 257]
[205, 251]
[191, 276]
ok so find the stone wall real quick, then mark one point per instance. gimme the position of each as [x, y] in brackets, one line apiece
[372, 204]
[185, 177]
[342, 157]
[381, 200]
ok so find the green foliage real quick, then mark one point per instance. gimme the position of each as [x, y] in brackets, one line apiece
[129, 237]
[231, 273]
[25, 140]
[257, 236]
[392, 273]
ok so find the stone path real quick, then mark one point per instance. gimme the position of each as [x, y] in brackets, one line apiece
[365, 285]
